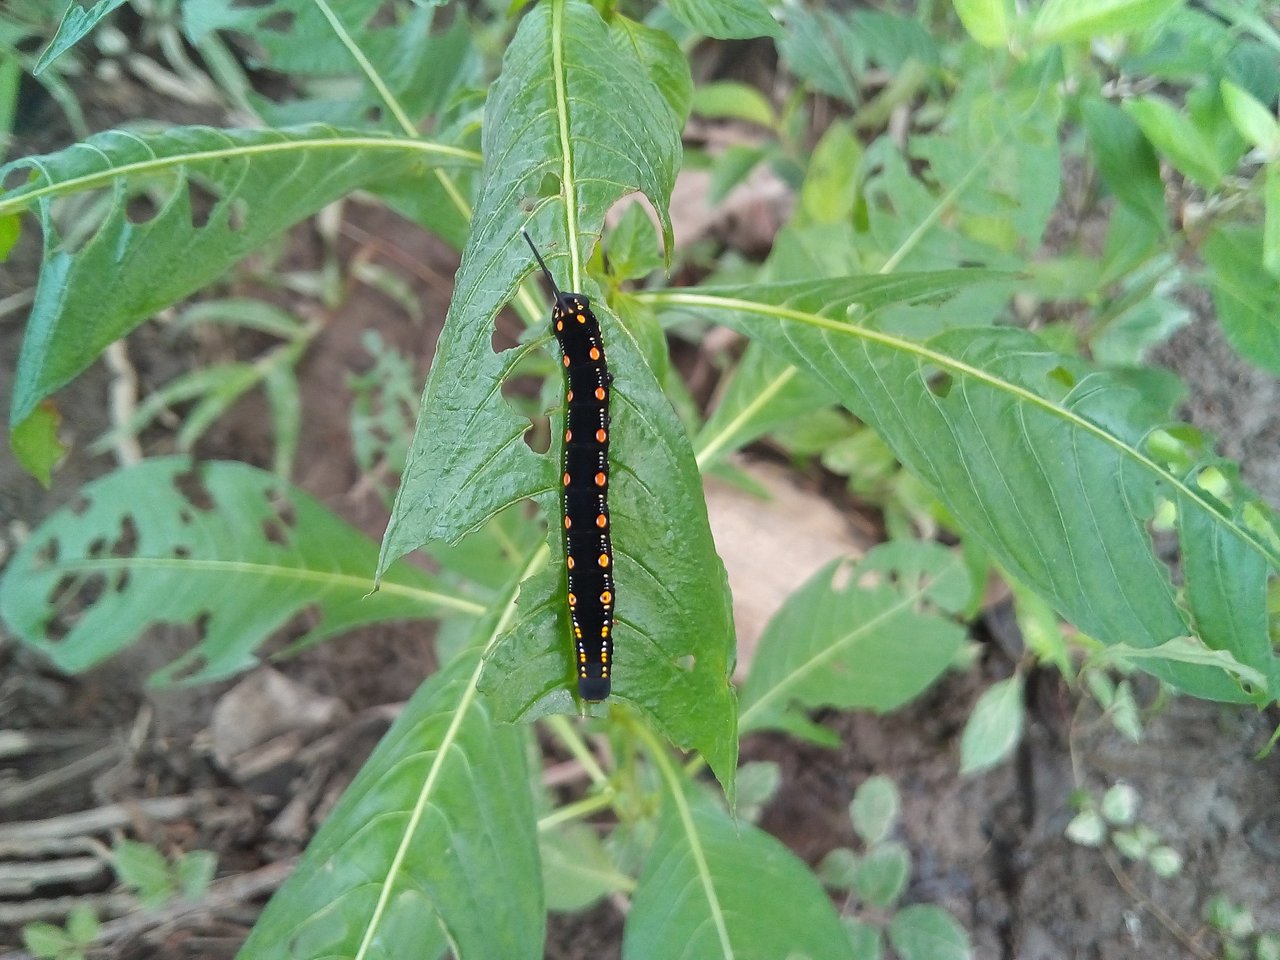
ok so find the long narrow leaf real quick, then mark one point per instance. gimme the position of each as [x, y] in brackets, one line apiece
[557, 156]
[1045, 461]
[228, 550]
[222, 194]
[717, 889]
[433, 845]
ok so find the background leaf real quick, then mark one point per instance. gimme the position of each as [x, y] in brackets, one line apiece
[994, 728]
[713, 887]
[1063, 20]
[433, 843]
[1246, 296]
[76, 24]
[1043, 460]
[867, 634]
[94, 575]
[926, 932]
[218, 195]
[726, 19]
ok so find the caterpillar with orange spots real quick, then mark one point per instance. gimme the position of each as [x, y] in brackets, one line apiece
[588, 548]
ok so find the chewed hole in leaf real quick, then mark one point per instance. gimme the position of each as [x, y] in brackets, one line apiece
[47, 555]
[70, 597]
[281, 21]
[79, 506]
[237, 213]
[549, 186]
[127, 543]
[121, 582]
[841, 577]
[521, 394]
[182, 552]
[97, 548]
[938, 382]
[191, 486]
[1061, 375]
[202, 201]
[687, 662]
[141, 209]
[17, 177]
[373, 114]
[292, 630]
[185, 637]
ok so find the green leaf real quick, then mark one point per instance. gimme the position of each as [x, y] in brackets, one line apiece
[561, 81]
[47, 941]
[881, 875]
[986, 20]
[1128, 164]
[358, 62]
[142, 867]
[726, 19]
[667, 64]
[1165, 862]
[163, 542]
[1252, 120]
[1179, 138]
[1119, 804]
[736, 101]
[1185, 650]
[82, 924]
[1045, 461]
[872, 634]
[1271, 223]
[35, 442]
[994, 728]
[868, 943]
[839, 868]
[874, 809]
[75, 25]
[764, 392]
[576, 869]
[194, 872]
[184, 205]
[1087, 829]
[632, 246]
[713, 887]
[925, 932]
[433, 844]
[1059, 21]
[1246, 296]
[831, 189]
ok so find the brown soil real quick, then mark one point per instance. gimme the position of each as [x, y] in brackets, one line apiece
[989, 848]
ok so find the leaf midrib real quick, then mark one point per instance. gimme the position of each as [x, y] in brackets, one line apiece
[276, 571]
[20, 199]
[959, 367]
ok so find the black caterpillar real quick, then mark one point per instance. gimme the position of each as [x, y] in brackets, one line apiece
[588, 549]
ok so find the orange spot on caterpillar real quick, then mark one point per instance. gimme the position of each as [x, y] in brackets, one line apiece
[595, 353]
[567, 523]
[601, 436]
[566, 478]
[599, 393]
[606, 598]
[604, 632]
[601, 479]
[573, 600]
[603, 560]
[582, 318]
[566, 361]
[559, 325]
[568, 435]
[602, 521]
[569, 396]
[569, 562]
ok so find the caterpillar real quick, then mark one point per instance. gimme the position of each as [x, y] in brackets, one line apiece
[588, 548]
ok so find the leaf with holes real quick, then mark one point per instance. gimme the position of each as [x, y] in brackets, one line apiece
[433, 844]
[392, 62]
[717, 887]
[227, 552]
[872, 634]
[1056, 469]
[558, 155]
[181, 207]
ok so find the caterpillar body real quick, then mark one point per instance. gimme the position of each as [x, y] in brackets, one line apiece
[588, 547]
